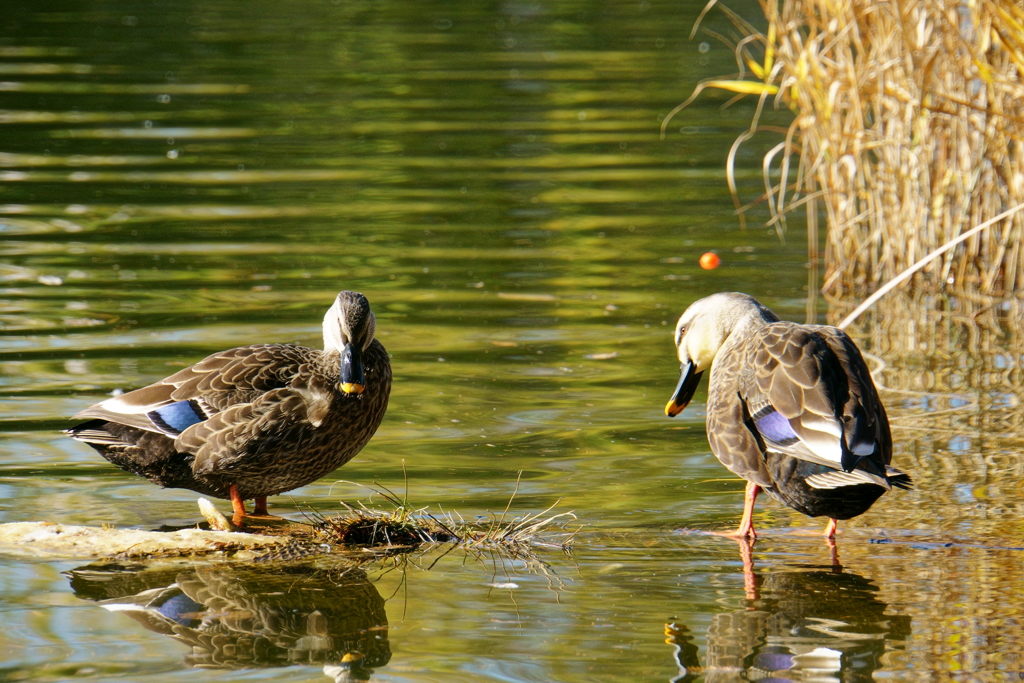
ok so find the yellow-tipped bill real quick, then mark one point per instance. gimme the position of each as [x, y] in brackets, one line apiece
[687, 387]
[671, 409]
[352, 381]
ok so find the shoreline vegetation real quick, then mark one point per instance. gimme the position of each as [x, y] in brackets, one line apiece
[908, 129]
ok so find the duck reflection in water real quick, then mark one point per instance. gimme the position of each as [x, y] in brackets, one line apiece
[823, 625]
[248, 617]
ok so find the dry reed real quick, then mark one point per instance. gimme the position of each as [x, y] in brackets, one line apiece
[909, 127]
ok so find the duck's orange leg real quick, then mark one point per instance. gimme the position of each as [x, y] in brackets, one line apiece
[830, 529]
[746, 527]
[261, 506]
[238, 505]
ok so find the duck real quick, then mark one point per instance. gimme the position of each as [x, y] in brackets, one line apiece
[253, 421]
[791, 408]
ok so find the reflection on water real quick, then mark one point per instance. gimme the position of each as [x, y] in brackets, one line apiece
[823, 625]
[952, 369]
[236, 617]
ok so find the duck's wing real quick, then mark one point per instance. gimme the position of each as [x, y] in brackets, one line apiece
[211, 386]
[740, 450]
[809, 395]
[243, 435]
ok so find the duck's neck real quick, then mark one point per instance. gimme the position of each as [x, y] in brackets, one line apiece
[332, 329]
[755, 318]
[745, 325]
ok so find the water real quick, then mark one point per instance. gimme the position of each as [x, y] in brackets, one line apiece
[183, 179]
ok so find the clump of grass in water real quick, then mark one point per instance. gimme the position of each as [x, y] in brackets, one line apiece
[405, 526]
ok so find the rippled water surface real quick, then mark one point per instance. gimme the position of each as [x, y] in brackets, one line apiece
[182, 178]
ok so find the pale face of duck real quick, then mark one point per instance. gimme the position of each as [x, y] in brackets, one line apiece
[701, 331]
[349, 326]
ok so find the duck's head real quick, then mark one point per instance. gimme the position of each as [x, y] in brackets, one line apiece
[701, 331]
[349, 326]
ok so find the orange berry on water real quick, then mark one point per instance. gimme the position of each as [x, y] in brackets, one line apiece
[710, 261]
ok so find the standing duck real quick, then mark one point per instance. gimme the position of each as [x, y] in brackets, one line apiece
[791, 409]
[253, 421]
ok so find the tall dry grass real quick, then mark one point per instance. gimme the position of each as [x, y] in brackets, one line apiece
[908, 129]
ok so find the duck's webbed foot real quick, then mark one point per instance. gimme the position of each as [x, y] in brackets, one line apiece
[746, 527]
[745, 531]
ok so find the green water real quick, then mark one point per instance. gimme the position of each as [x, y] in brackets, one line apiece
[183, 178]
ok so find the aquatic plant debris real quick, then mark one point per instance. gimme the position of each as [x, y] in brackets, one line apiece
[405, 526]
[375, 528]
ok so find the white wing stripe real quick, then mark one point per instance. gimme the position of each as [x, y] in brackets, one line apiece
[836, 479]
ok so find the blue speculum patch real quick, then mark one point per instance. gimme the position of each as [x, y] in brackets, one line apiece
[176, 417]
[775, 427]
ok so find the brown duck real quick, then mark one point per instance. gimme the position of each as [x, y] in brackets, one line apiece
[791, 409]
[253, 421]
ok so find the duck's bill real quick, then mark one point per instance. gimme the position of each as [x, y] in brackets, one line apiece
[352, 380]
[689, 378]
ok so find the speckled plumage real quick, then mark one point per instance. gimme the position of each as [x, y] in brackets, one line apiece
[265, 418]
[791, 408]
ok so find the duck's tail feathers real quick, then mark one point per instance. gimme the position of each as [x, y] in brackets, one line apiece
[94, 433]
[900, 480]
